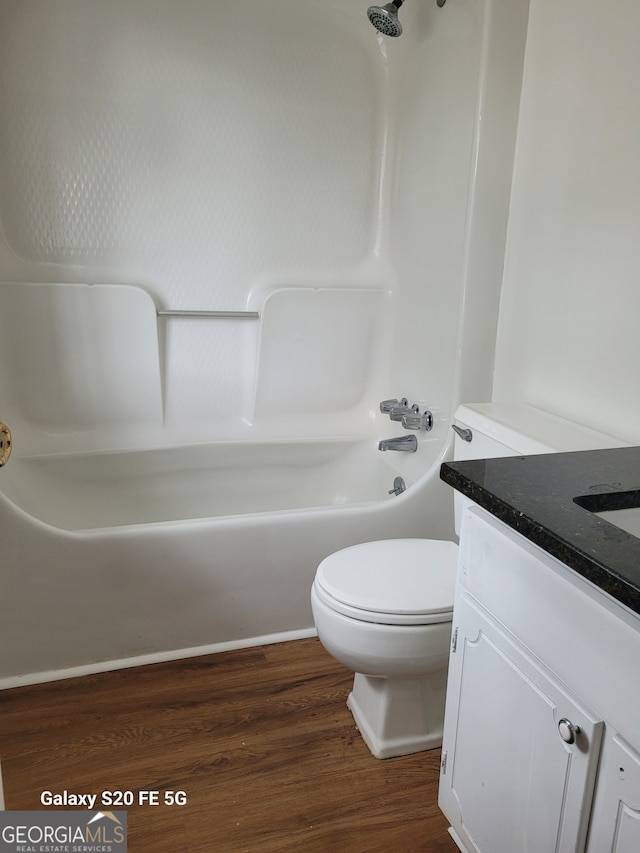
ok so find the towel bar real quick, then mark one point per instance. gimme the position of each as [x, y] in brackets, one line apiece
[211, 315]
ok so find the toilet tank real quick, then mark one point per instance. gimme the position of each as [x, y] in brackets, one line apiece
[517, 429]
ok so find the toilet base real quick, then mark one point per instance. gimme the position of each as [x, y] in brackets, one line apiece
[399, 716]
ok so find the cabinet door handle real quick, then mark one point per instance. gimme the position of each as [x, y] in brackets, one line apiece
[568, 732]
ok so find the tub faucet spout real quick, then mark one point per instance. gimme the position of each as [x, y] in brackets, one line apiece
[406, 443]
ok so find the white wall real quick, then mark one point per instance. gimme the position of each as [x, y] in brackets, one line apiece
[568, 338]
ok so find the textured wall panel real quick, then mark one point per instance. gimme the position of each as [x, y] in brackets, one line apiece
[200, 142]
[193, 148]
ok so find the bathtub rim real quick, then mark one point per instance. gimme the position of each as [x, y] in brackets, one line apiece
[238, 519]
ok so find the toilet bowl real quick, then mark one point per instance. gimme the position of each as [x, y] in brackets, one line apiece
[383, 609]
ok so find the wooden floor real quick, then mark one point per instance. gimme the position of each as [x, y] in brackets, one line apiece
[260, 740]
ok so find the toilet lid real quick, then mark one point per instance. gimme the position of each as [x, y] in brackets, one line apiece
[412, 580]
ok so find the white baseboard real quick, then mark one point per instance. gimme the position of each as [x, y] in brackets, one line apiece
[457, 840]
[157, 657]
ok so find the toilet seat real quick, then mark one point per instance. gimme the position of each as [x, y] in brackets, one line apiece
[391, 582]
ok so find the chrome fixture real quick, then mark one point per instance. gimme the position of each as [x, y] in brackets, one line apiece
[405, 443]
[418, 421]
[568, 731]
[465, 434]
[385, 18]
[387, 405]
[399, 486]
[397, 413]
[410, 416]
[209, 315]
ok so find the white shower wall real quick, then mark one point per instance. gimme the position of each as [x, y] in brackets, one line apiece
[279, 158]
[209, 154]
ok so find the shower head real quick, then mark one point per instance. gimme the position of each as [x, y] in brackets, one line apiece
[385, 18]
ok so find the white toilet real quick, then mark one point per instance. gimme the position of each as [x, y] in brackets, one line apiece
[383, 609]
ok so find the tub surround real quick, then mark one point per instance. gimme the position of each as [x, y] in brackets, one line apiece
[551, 500]
[128, 196]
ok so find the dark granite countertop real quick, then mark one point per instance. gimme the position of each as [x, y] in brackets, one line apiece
[551, 500]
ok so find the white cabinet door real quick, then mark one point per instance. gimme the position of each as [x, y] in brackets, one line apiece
[510, 783]
[616, 813]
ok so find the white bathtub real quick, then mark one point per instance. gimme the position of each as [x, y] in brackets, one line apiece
[84, 491]
[120, 559]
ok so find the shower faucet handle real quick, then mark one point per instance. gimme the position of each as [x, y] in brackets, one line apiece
[387, 405]
[418, 421]
[399, 412]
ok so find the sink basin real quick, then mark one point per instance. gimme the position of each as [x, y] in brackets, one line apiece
[626, 519]
[621, 509]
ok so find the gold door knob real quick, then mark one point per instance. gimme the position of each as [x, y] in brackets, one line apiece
[5, 444]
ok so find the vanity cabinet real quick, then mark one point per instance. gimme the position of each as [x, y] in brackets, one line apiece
[541, 727]
[615, 824]
[514, 782]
